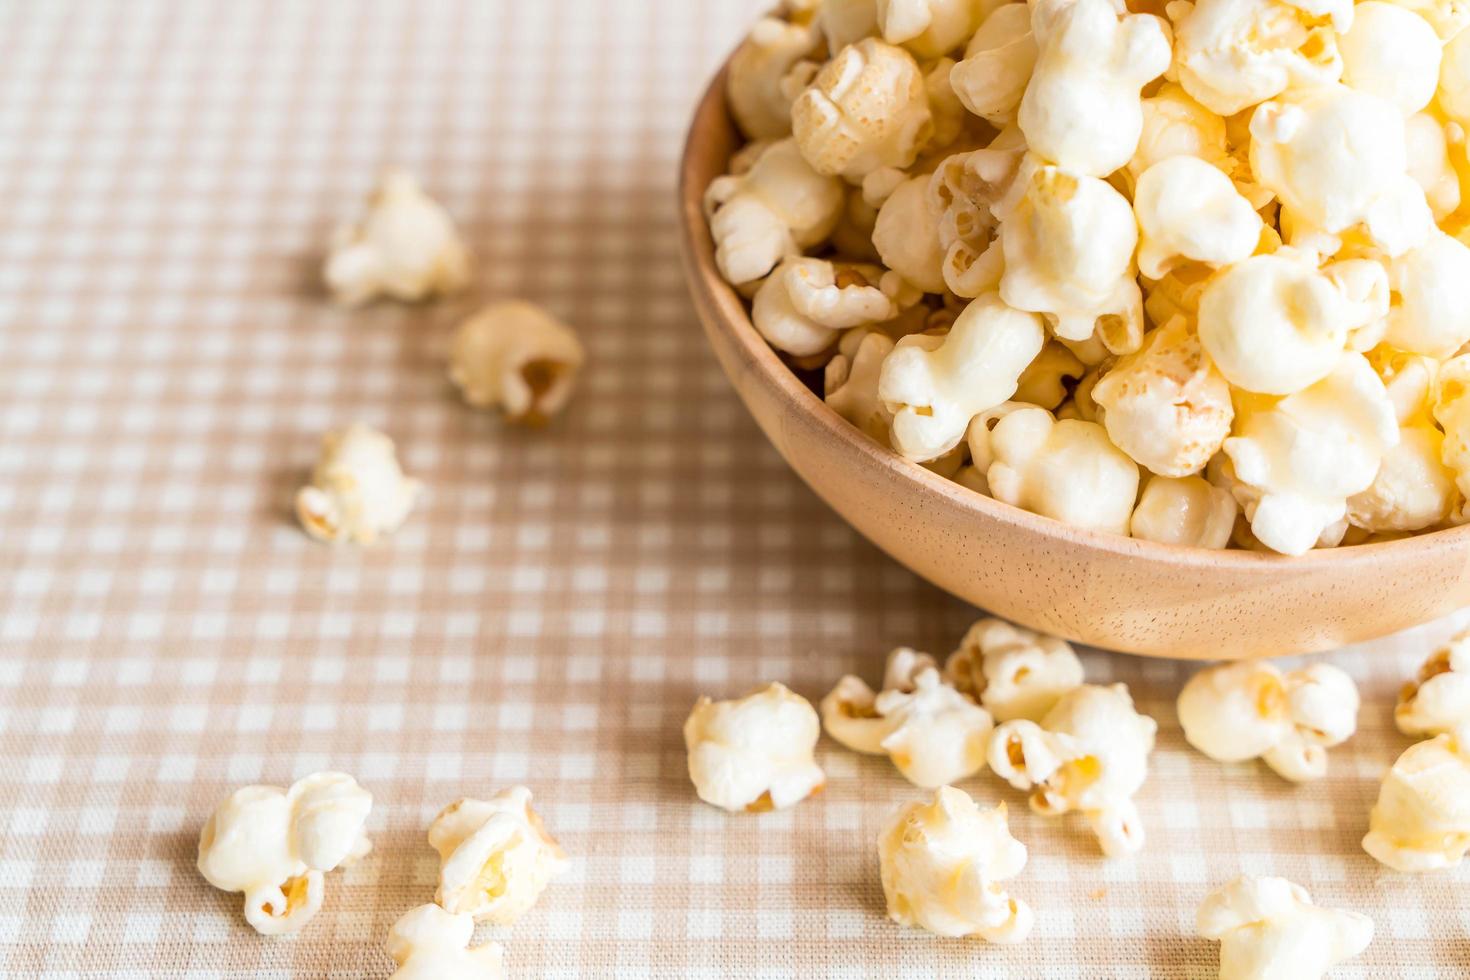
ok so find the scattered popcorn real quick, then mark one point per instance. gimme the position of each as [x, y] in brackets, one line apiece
[1186, 511]
[1393, 53]
[1189, 210]
[932, 733]
[755, 753]
[1421, 821]
[997, 65]
[1251, 709]
[1437, 701]
[777, 208]
[1088, 754]
[495, 856]
[518, 358]
[1012, 671]
[406, 249]
[357, 490]
[942, 864]
[933, 394]
[1268, 928]
[753, 80]
[867, 108]
[429, 943]
[276, 845]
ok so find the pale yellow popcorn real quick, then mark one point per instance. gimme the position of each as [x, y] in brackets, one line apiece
[806, 303]
[847, 22]
[1166, 405]
[1082, 109]
[1276, 323]
[516, 357]
[1189, 210]
[1437, 700]
[1413, 490]
[964, 191]
[1268, 929]
[1409, 380]
[1067, 470]
[867, 108]
[495, 856]
[1068, 241]
[1421, 821]
[1175, 125]
[1012, 671]
[1338, 159]
[1177, 294]
[1453, 94]
[1233, 54]
[906, 235]
[1187, 511]
[997, 65]
[942, 864]
[1048, 379]
[1447, 17]
[406, 248]
[1431, 290]
[276, 845]
[851, 385]
[757, 69]
[1392, 53]
[1298, 459]
[849, 711]
[928, 28]
[755, 753]
[357, 490]
[1247, 710]
[933, 394]
[779, 207]
[429, 943]
[1452, 412]
[1428, 149]
[1089, 754]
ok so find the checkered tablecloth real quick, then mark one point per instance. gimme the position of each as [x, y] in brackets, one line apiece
[169, 174]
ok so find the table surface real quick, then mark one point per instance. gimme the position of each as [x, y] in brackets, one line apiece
[169, 173]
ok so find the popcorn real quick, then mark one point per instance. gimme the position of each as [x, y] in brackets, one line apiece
[1428, 150]
[753, 79]
[997, 65]
[1188, 209]
[1251, 709]
[515, 356]
[1337, 159]
[851, 386]
[777, 208]
[942, 864]
[1175, 125]
[1454, 78]
[803, 306]
[406, 248]
[1437, 701]
[965, 191]
[1067, 470]
[1299, 458]
[1081, 110]
[1268, 928]
[931, 732]
[1166, 405]
[755, 753]
[357, 491]
[1184, 511]
[1452, 412]
[907, 236]
[1447, 17]
[847, 21]
[1431, 290]
[1068, 242]
[495, 856]
[1276, 324]
[1233, 54]
[928, 28]
[275, 846]
[867, 108]
[1048, 379]
[429, 943]
[1012, 671]
[1088, 754]
[933, 394]
[1421, 821]
[1393, 53]
[1413, 490]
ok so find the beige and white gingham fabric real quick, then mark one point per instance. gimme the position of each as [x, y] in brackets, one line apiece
[169, 173]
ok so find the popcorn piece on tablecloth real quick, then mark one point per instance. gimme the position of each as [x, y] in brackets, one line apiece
[1012, 671]
[1437, 701]
[1251, 709]
[755, 753]
[518, 358]
[1421, 821]
[406, 248]
[276, 845]
[429, 943]
[942, 864]
[357, 490]
[495, 856]
[1268, 929]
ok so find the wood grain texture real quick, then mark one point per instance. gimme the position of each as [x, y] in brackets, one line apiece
[1091, 587]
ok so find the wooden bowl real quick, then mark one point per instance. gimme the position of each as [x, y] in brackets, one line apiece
[1088, 586]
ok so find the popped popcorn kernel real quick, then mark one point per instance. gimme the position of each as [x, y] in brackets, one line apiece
[429, 943]
[1269, 927]
[495, 856]
[1421, 821]
[406, 248]
[1437, 700]
[754, 753]
[357, 490]
[516, 357]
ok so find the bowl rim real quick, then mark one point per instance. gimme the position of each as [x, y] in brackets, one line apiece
[711, 117]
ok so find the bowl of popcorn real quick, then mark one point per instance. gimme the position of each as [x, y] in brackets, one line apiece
[1141, 327]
